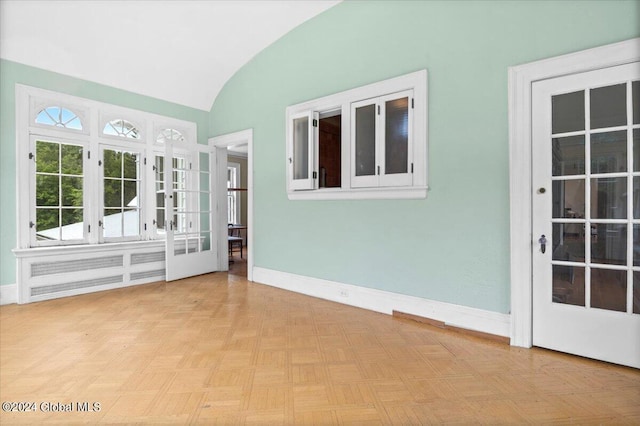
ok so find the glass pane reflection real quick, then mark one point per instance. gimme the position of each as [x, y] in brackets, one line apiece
[635, 88]
[636, 292]
[609, 243]
[609, 289]
[568, 156]
[568, 285]
[609, 106]
[608, 198]
[567, 112]
[609, 152]
[366, 140]
[636, 245]
[568, 242]
[301, 148]
[568, 198]
[396, 136]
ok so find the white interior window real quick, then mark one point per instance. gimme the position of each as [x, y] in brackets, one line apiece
[368, 142]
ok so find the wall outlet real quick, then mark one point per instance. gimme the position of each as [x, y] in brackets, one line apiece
[344, 293]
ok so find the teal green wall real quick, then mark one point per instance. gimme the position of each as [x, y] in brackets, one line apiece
[12, 73]
[454, 245]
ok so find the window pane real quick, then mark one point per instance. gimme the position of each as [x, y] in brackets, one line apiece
[301, 148]
[112, 193]
[205, 241]
[568, 242]
[330, 151]
[47, 157]
[636, 197]
[609, 244]
[121, 128]
[636, 102]
[47, 190]
[636, 150]
[636, 245]
[71, 159]
[130, 165]
[568, 285]
[72, 194]
[568, 199]
[160, 218]
[130, 193]
[609, 289]
[609, 198]
[568, 156]
[636, 292]
[59, 117]
[112, 163]
[366, 140]
[131, 221]
[609, 106]
[567, 112]
[72, 224]
[397, 136]
[609, 152]
[112, 223]
[48, 224]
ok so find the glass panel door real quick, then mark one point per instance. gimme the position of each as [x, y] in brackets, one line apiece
[190, 237]
[585, 189]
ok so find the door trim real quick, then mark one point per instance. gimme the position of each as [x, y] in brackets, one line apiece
[224, 141]
[521, 78]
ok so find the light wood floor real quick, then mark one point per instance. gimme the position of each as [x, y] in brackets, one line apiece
[217, 349]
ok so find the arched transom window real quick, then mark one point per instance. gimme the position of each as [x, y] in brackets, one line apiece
[121, 128]
[58, 116]
[170, 135]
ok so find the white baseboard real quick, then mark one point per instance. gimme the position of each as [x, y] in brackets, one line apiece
[8, 294]
[386, 302]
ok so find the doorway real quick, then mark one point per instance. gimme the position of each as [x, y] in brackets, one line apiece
[239, 147]
[529, 266]
[586, 211]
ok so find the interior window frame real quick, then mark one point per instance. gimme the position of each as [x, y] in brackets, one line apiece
[390, 187]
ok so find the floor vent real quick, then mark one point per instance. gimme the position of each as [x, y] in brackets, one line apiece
[147, 274]
[48, 289]
[49, 268]
[138, 258]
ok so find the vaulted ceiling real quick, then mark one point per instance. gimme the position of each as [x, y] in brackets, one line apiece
[178, 51]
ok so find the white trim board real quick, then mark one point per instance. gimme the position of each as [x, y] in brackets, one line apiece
[8, 294]
[521, 78]
[386, 302]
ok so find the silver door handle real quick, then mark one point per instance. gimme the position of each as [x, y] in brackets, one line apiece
[543, 243]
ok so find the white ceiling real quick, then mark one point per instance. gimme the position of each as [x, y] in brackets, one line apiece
[178, 51]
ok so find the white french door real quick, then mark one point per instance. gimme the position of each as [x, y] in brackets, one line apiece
[191, 243]
[586, 214]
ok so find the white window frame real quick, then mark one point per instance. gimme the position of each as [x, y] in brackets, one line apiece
[380, 178]
[64, 139]
[391, 188]
[93, 115]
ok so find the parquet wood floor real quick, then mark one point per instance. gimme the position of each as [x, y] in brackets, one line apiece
[216, 349]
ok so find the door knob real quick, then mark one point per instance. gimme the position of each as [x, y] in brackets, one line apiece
[543, 243]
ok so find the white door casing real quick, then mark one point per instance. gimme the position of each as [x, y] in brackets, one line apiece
[582, 170]
[521, 79]
[219, 145]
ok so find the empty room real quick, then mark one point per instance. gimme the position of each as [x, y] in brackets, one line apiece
[320, 212]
